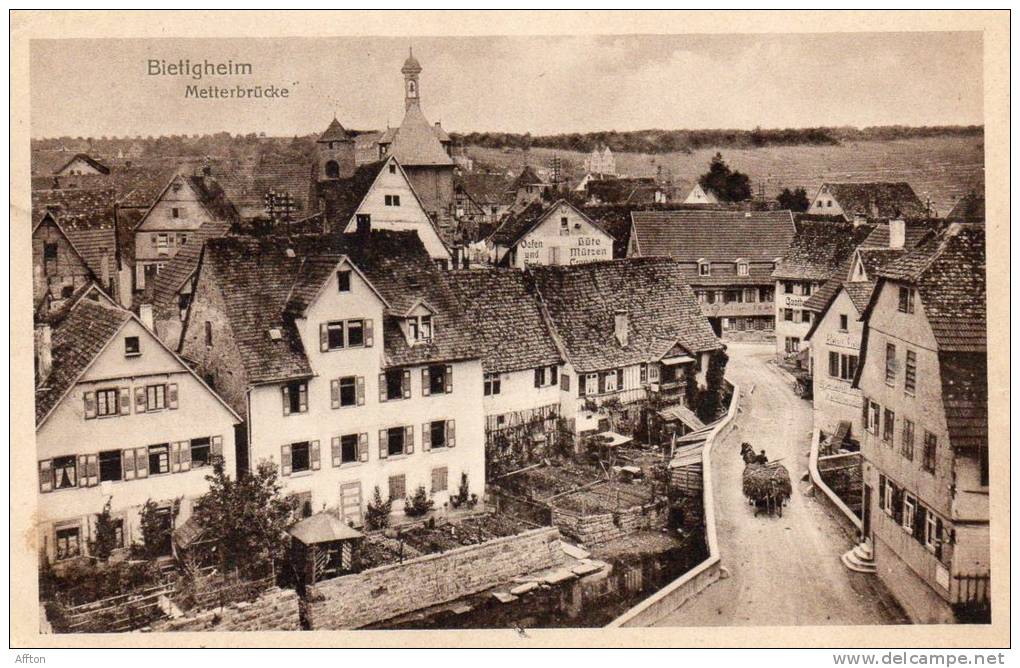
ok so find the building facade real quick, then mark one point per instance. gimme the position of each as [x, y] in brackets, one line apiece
[880, 199]
[556, 234]
[120, 419]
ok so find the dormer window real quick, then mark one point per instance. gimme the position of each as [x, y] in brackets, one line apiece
[132, 347]
[419, 329]
[704, 268]
[742, 269]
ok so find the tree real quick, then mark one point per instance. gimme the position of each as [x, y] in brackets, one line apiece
[378, 511]
[106, 534]
[727, 184]
[246, 518]
[795, 200]
[156, 528]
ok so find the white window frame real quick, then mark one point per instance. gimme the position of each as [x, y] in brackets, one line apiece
[909, 512]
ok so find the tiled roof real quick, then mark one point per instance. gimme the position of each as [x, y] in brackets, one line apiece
[95, 164]
[915, 233]
[969, 209]
[345, 195]
[723, 236]
[513, 333]
[213, 196]
[881, 199]
[582, 301]
[949, 273]
[516, 225]
[859, 293]
[415, 142]
[87, 218]
[396, 263]
[77, 340]
[615, 191]
[162, 292]
[335, 132]
[818, 250]
[820, 298]
[484, 188]
[965, 398]
[527, 177]
[248, 185]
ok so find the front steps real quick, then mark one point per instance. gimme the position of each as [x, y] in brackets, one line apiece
[861, 558]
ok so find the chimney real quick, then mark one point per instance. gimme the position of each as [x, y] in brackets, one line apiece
[897, 234]
[43, 351]
[621, 327]
[104, 267]
[207, 170]
[145, 315]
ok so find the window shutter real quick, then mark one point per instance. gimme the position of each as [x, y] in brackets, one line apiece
[334, 393]
[216, 446]
[303, 397]
[334, 450]
[142, 462]
[565, 382]
[864, 412]
[140, 400]
[881, 493]
[426, 436]
[315, 460]
[619, 379]
[90, 405]
[125, 401]
[285, 463]
[81, 477]
[938, 538]
[363, 447]
[602, 383]
[581, 383]
[406, 386]
[451, 439]
[449, 379]
[323, 337]
[286, 399]
[186, 455]
[384, 444]
[425, 382]
[382, 387]
[360, 387]
[46, 475]
[408, 440]
[93, 470]
[175, 457]
[127, 458]
[538, 377]
[368, 333]
[920, 521]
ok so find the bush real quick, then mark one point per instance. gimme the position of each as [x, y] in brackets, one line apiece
[155, 528]
[106, 534]
[377, 515]
[419, 503]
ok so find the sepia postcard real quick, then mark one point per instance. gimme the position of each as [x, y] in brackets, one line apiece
[509, 329]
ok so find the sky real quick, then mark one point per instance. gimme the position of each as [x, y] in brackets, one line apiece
[542, 85]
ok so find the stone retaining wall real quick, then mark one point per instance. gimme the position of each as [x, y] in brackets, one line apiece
[275, 610]
[594, 530]
[381, 593]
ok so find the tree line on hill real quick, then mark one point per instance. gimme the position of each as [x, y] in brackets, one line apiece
[667, 141]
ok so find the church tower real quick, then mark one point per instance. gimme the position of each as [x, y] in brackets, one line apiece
[411, 70]
[334, 153]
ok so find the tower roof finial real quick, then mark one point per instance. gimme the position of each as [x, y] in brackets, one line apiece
[411, 65]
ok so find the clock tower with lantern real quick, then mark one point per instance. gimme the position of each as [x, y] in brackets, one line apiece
[411, 70]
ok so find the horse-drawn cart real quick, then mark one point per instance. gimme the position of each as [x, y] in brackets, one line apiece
[766, 485]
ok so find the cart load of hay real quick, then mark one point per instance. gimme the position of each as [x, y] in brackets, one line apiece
[767, 482]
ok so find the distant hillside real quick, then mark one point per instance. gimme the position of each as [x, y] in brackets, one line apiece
[669, 141]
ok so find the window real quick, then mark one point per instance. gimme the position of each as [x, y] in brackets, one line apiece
[349, 391]
[842, 366]
[890, 364]
[295, 397]
[546, 376]
[792, 344]
[491, 384]
[159, 459]
[50, 251]
[931, 531]
[182, 239]
[436, 434]
[591, 383]
[419, 328]
[65, 472]
[807, 290]
[397, 384]
[332, 169]
[175, 212]
[741, 269]
[355, 333]
[398, 488]
[873, 419]
[395, 441]
[564, 226]
[334, 335]
[907, 445]
[343, 280]
[132, 346]
[363, 221]
[844, 322]
[68, 542]
[392, 200]
[890, 495]
[393, 168]
[909, 511]
[208, 334]
[348, 449]
[300, 457]
[906, 300]
[833, 364]
[888, 425]
[910, 381]
[788, 314]
[201, 453]
[110, 466]
[643, 373]
[438, 379]
[439, 479]
[155, 397]
[788, 287]
[162, 243]
[930, 448]
[805, 316]
[710, 296]
[106, 402]
[704, 269]
[610, 381]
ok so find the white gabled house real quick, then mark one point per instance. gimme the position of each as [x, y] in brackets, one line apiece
[556, 234]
